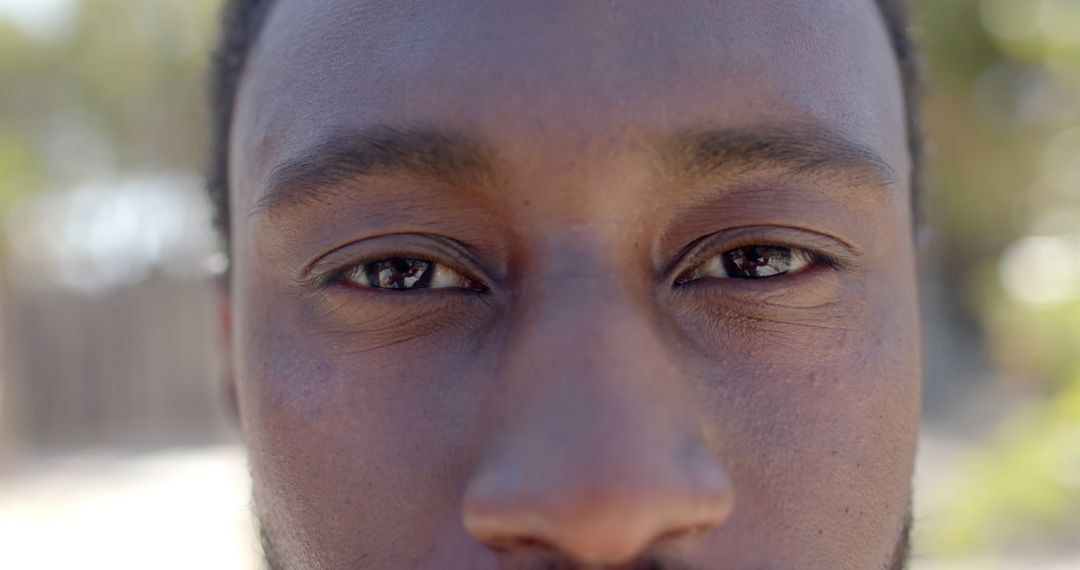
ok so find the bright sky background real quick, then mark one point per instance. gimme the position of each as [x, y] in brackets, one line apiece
[42, 19]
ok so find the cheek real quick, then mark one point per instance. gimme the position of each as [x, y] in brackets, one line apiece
[815, 412]
[344, 426]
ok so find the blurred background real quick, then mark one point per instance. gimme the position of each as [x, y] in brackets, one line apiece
[114, 450]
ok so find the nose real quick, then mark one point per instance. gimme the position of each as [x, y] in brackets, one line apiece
[600, 455]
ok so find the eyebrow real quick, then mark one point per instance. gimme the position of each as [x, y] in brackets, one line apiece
[420, 153]
[437, 154]
[800, 150]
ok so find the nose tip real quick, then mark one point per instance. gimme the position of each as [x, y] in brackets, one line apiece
[598, 451]
[606, 520]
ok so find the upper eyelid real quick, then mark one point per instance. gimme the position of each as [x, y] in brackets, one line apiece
[707, 253]
[449, 254]
[838, 252]
[344, 271]
[348, 272]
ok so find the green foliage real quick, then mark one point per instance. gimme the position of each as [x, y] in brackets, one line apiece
[1006, 82]
[122, 90]
[1022, 490]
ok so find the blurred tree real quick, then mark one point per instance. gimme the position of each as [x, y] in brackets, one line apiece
[92, 92]
[118, 89]
[1003, 114]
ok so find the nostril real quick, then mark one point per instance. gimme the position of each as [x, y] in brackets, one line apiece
[512, 544]
[504, 523]
[597, 512]
[598, 528]
[688, 532]
[530, 544]
[534, 543]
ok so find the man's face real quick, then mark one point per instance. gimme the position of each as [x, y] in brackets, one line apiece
[546, 284]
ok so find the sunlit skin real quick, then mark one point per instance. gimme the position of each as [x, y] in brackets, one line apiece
[570, 284]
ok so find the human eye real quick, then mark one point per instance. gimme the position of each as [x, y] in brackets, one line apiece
[750, 262]
[408, 274]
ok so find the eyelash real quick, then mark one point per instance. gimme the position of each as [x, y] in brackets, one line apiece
[808, 258]
[707, 250]
[700, 253]
[344, 276]
[347, 276]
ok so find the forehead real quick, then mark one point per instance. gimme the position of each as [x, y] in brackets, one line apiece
[564, 74]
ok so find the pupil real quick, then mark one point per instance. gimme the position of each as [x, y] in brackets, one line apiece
[757, 257]
[755, 262]
[399, 273]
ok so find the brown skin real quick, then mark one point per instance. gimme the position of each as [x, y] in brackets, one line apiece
[590, 396]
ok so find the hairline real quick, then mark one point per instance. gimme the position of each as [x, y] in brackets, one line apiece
[242, 22]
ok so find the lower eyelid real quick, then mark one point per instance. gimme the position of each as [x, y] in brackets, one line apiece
[810, 260]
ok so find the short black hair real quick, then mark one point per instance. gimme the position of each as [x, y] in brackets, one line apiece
[242, 21]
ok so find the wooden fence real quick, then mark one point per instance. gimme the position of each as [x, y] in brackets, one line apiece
[129, 367]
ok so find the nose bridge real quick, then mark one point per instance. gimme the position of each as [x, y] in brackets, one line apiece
[588, 339]
[585, 335]
[599, 452]
[584, 379]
